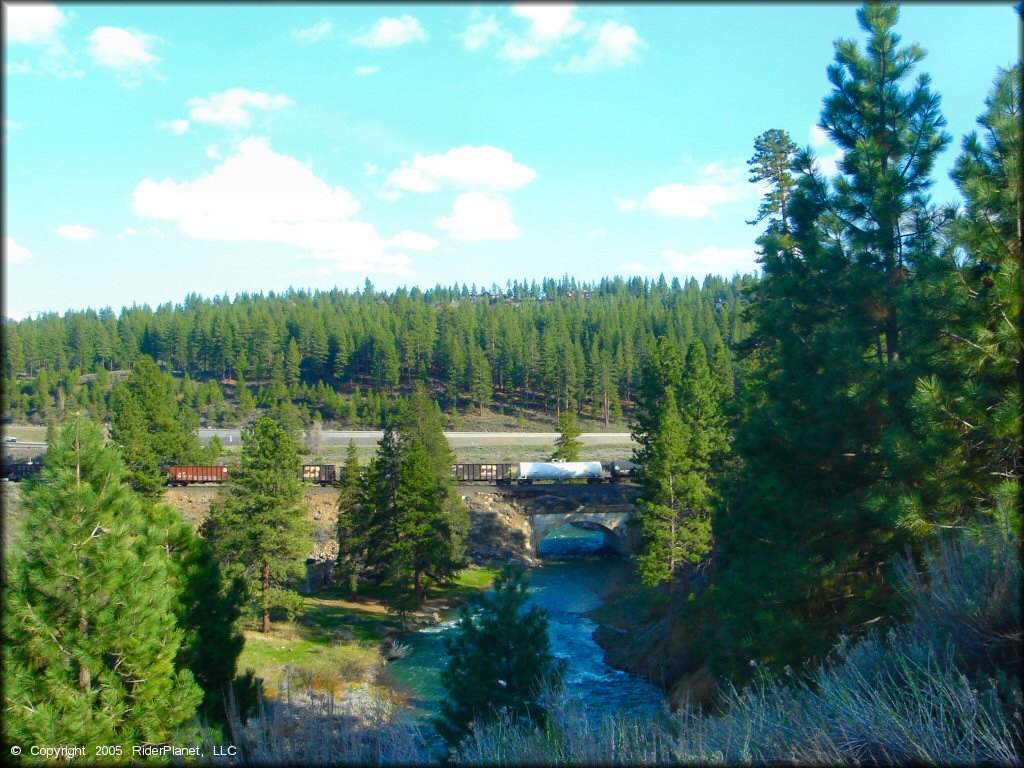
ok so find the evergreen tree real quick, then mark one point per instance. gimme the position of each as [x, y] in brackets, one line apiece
[498, 657]
[207, 608]
[411, 523]
[90, 636]
[828, 447]
[259, 530]
[773, 157]
[568, 445]
[972, 418]
[351, 515]
[150, 426]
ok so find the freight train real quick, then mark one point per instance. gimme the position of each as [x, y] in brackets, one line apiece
[522, 473]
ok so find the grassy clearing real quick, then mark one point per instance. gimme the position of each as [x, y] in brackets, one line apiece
[336, 638]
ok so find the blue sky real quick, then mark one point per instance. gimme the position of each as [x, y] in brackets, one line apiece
[155, 150]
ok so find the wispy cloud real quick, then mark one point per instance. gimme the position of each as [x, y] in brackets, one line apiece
[391, 33]
[712, 260]
[76, 232]
[231, 108]
[14, 252]
[613, 45]
[127, 52]
[719, 184]
[38, 26]
[483, 167]
[534, 30]
[476, 217]
[313, 34]
[364, 71]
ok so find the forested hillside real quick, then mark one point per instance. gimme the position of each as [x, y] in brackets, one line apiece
[344, 355]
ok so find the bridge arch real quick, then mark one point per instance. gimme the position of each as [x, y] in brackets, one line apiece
[613, 524]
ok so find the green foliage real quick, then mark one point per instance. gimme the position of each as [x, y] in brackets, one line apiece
[207, 609]
[971, 418]
[408, 522]
[151, 427]
[90, 635]
[773, 156]
[568, 445]
[828, 447]
[351, 556]
[258, 530]
[532, 346]
[499, 656]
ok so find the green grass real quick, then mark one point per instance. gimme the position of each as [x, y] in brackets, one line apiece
[337, 635]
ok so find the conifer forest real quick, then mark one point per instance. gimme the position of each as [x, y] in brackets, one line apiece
[817, 554]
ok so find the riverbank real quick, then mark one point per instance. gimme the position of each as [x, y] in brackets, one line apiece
[343, 638]
[632, 625]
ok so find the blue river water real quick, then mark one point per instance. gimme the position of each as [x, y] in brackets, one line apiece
[574, 579]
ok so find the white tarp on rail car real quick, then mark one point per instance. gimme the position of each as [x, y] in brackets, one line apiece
[558, 470]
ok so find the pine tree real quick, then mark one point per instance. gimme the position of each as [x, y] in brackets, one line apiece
[259, 530]
[773, 155]
[411, 523]
[292, 363]
[150, 426]
[972, 418]
[568, 445]
[351, 514]
[90, 635]
[828, 448]
[207, 608]
[499, 656]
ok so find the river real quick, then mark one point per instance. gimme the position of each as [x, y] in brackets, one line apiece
[574, 579]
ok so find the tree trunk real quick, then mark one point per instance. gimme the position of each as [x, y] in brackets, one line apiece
[418, 576]
[266, 589]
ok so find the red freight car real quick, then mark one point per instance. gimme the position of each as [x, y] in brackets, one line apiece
[196, 474]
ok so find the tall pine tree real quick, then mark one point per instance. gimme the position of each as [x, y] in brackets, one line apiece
[259, 529]
[828, 446]
[90, 633]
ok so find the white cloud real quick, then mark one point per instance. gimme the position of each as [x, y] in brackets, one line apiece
[819, 136]
[313, 34]
[11, 125]
[637, 268]
[125, 51]
[549, 21]
[178, 126]
[231, 107]
[258, 195]
[625, 205]
[76, 232]
[712, 261]
[213, 152]
[127, 232]
[480, 33]
[476, 217]
[691, 201]
[32, 23]
[828, 164]
[15, 252]
[414, 241]
[364, 71]
[370, 169]
[390, 33]
[364, 262]
[465, 167]
[38, 25]
[614, 45]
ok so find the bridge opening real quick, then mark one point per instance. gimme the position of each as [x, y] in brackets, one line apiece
[577, 539]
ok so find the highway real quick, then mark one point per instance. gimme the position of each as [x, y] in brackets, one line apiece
[341, 438]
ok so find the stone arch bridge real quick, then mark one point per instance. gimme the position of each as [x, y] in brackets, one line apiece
[609, 508]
